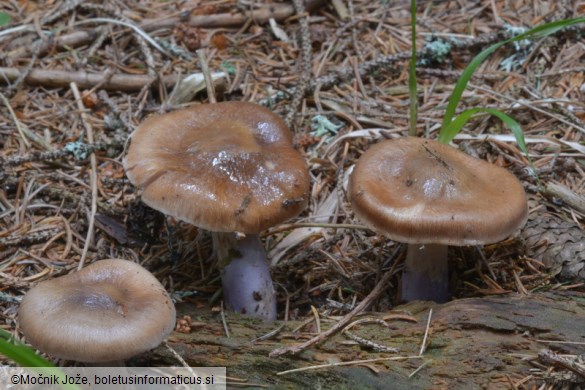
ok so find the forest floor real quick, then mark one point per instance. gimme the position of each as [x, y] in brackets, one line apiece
[77, 77]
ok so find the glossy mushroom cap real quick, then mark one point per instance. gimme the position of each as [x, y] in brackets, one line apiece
[419, 191]
[223, 167]
[110, 310]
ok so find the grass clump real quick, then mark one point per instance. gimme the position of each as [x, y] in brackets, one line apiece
[453, 123]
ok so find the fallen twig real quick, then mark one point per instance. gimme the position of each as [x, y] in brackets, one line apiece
[370, 344]
[571, 364]
[423, 347]
[397, 358]
[84, 80]
[49, 156]
[22, 240]
[93, 175]
[269, 335]
[224, 322]
[304, 63]
[207, 75]
[569, 197]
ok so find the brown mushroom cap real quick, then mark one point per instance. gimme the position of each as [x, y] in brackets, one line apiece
[420, 191]
[223, 167]
[110, 310]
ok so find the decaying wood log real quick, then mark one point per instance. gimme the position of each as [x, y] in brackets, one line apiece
[473, 344]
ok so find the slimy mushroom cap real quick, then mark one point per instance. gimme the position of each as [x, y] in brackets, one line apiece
[223, 167]
[419, 191]
[110, 310]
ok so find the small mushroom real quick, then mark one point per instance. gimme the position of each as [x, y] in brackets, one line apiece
[109, 311]
[431, 195]
[230, 168]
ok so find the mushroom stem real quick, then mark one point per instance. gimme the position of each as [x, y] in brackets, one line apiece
[426, 274]
[245, 274]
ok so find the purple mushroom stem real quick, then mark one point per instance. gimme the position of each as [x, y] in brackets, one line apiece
[247, 284]
[426, 273]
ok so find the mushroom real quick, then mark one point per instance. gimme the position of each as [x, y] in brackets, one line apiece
[109, 311]
[229, 168]
[431, 195]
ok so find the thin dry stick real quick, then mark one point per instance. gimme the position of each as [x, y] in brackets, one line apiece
[365, 342]
[419, 368]
[317, 318]
[179, 358]
[565, 362]
[63, 9]
[372, 296]
[47, 156]
[28, 68]
[305, 62]
[302, 325]
[141, 36]
[367, 321]
[423, 347]
[17, 123]
[93, 175]
[561, 342]
[207, 76]
[571, 198]
[396, 358]
[284, 228]
[369, 343]
[521, 289]
[20, 239]
[269, 335]
[224, 322]
[85, 80]
[341, 9]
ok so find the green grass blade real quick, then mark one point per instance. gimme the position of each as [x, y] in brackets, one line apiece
[537, 32]
[456, 124]
[26, 357]
[4, 19]
[460, 120]
[412, 88]
[20, 353]
[513, 125]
